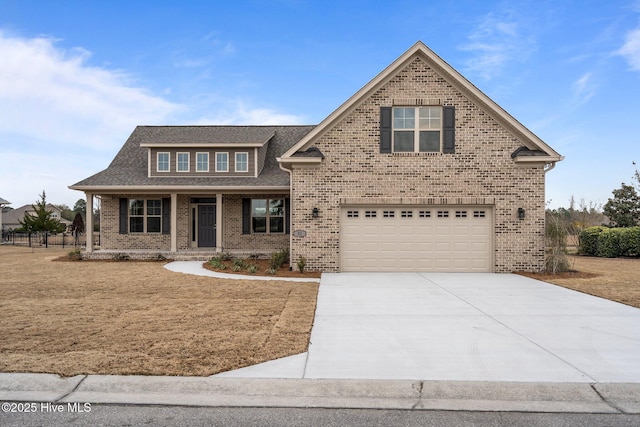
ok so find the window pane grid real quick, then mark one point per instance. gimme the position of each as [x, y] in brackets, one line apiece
[145, 212]
[222, 162]
[202, 162]
[242, 162]
[421, 135]
[267, 215]
[183, 162]
[163, 162]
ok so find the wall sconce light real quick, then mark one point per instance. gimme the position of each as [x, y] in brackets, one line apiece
[520, 213]
[315, 213]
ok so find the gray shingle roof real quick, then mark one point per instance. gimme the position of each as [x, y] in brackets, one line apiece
[129, 167]
[206, 134]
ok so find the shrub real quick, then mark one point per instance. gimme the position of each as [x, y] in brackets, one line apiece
[252, 269]
[610, 242]
[215, 262]
[120, 257]
[236, 268]
[238, 262]
[225, 256]
[556, 232]
[271, 271]
[588, 241]
[75, 255]
[278, 258]
[301, 263]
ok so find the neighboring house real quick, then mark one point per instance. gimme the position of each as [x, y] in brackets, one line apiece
[3, 205]
[11, 219]
[418, 171]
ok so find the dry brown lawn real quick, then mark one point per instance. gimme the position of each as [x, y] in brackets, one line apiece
[614, 279]
[128, 317]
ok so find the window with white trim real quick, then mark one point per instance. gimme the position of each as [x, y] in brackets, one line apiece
[202, 162]
[242, 162]
[145, 216]
[182, 162]
[267, 215]
[162, 163]
[222, 162]
[417, 129]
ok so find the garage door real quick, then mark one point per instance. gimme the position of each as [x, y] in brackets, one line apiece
[442, 238]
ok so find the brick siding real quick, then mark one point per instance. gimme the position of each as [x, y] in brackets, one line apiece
[481, 167]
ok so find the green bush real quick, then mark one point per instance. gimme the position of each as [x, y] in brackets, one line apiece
[589, 241]
[302, 262]
[610, 242]
[75, 255]
[278, 258]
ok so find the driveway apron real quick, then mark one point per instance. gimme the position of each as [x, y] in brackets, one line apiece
[469, 327]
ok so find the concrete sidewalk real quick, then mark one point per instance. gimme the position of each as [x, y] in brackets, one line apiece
[307, 393]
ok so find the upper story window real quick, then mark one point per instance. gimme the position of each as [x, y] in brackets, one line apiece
[163, 162]
[222, 162]
[202, 162]
[242, 162]
[417, 129]
[182, 162]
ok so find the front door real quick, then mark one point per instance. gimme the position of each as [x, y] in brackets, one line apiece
[206, 226]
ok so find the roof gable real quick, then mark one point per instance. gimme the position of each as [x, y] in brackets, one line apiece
[420, 50]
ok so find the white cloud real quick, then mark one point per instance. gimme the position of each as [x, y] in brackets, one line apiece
[631, 49]
[236, 112]
[52, 95]
[63, 119]
[584, 88]
[495, 41]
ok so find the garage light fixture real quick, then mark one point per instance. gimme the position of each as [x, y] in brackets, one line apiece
[315, 213]
[520, 213]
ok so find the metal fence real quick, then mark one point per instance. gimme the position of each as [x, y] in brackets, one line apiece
[46, 239]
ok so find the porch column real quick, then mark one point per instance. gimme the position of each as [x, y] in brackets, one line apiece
[89, 224]
[174, 222]
[219, 224]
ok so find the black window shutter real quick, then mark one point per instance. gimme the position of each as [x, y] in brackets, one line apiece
[124, 217]
[246, 216]
[449, 130]
[166, 215]
[385, 129]
[287, 215]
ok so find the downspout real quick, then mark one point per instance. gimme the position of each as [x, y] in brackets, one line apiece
[290, 172]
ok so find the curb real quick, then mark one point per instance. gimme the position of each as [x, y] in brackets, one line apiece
[602, 398]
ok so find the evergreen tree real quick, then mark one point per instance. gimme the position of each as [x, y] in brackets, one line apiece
[624, 208]
[41, 219]
[78, 223]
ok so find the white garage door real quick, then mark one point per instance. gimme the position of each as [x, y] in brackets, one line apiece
[441, 238]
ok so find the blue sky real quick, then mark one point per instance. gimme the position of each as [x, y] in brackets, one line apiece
[77, 76]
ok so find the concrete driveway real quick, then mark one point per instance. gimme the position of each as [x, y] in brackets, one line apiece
[471, 327]
[462, 327]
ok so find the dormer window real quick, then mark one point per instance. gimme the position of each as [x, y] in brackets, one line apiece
[222, 162]
[242, 162]
[163, 162]
[202, 162]
[182, 162]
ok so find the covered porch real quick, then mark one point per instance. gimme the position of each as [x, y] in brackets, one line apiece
[189, 226]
